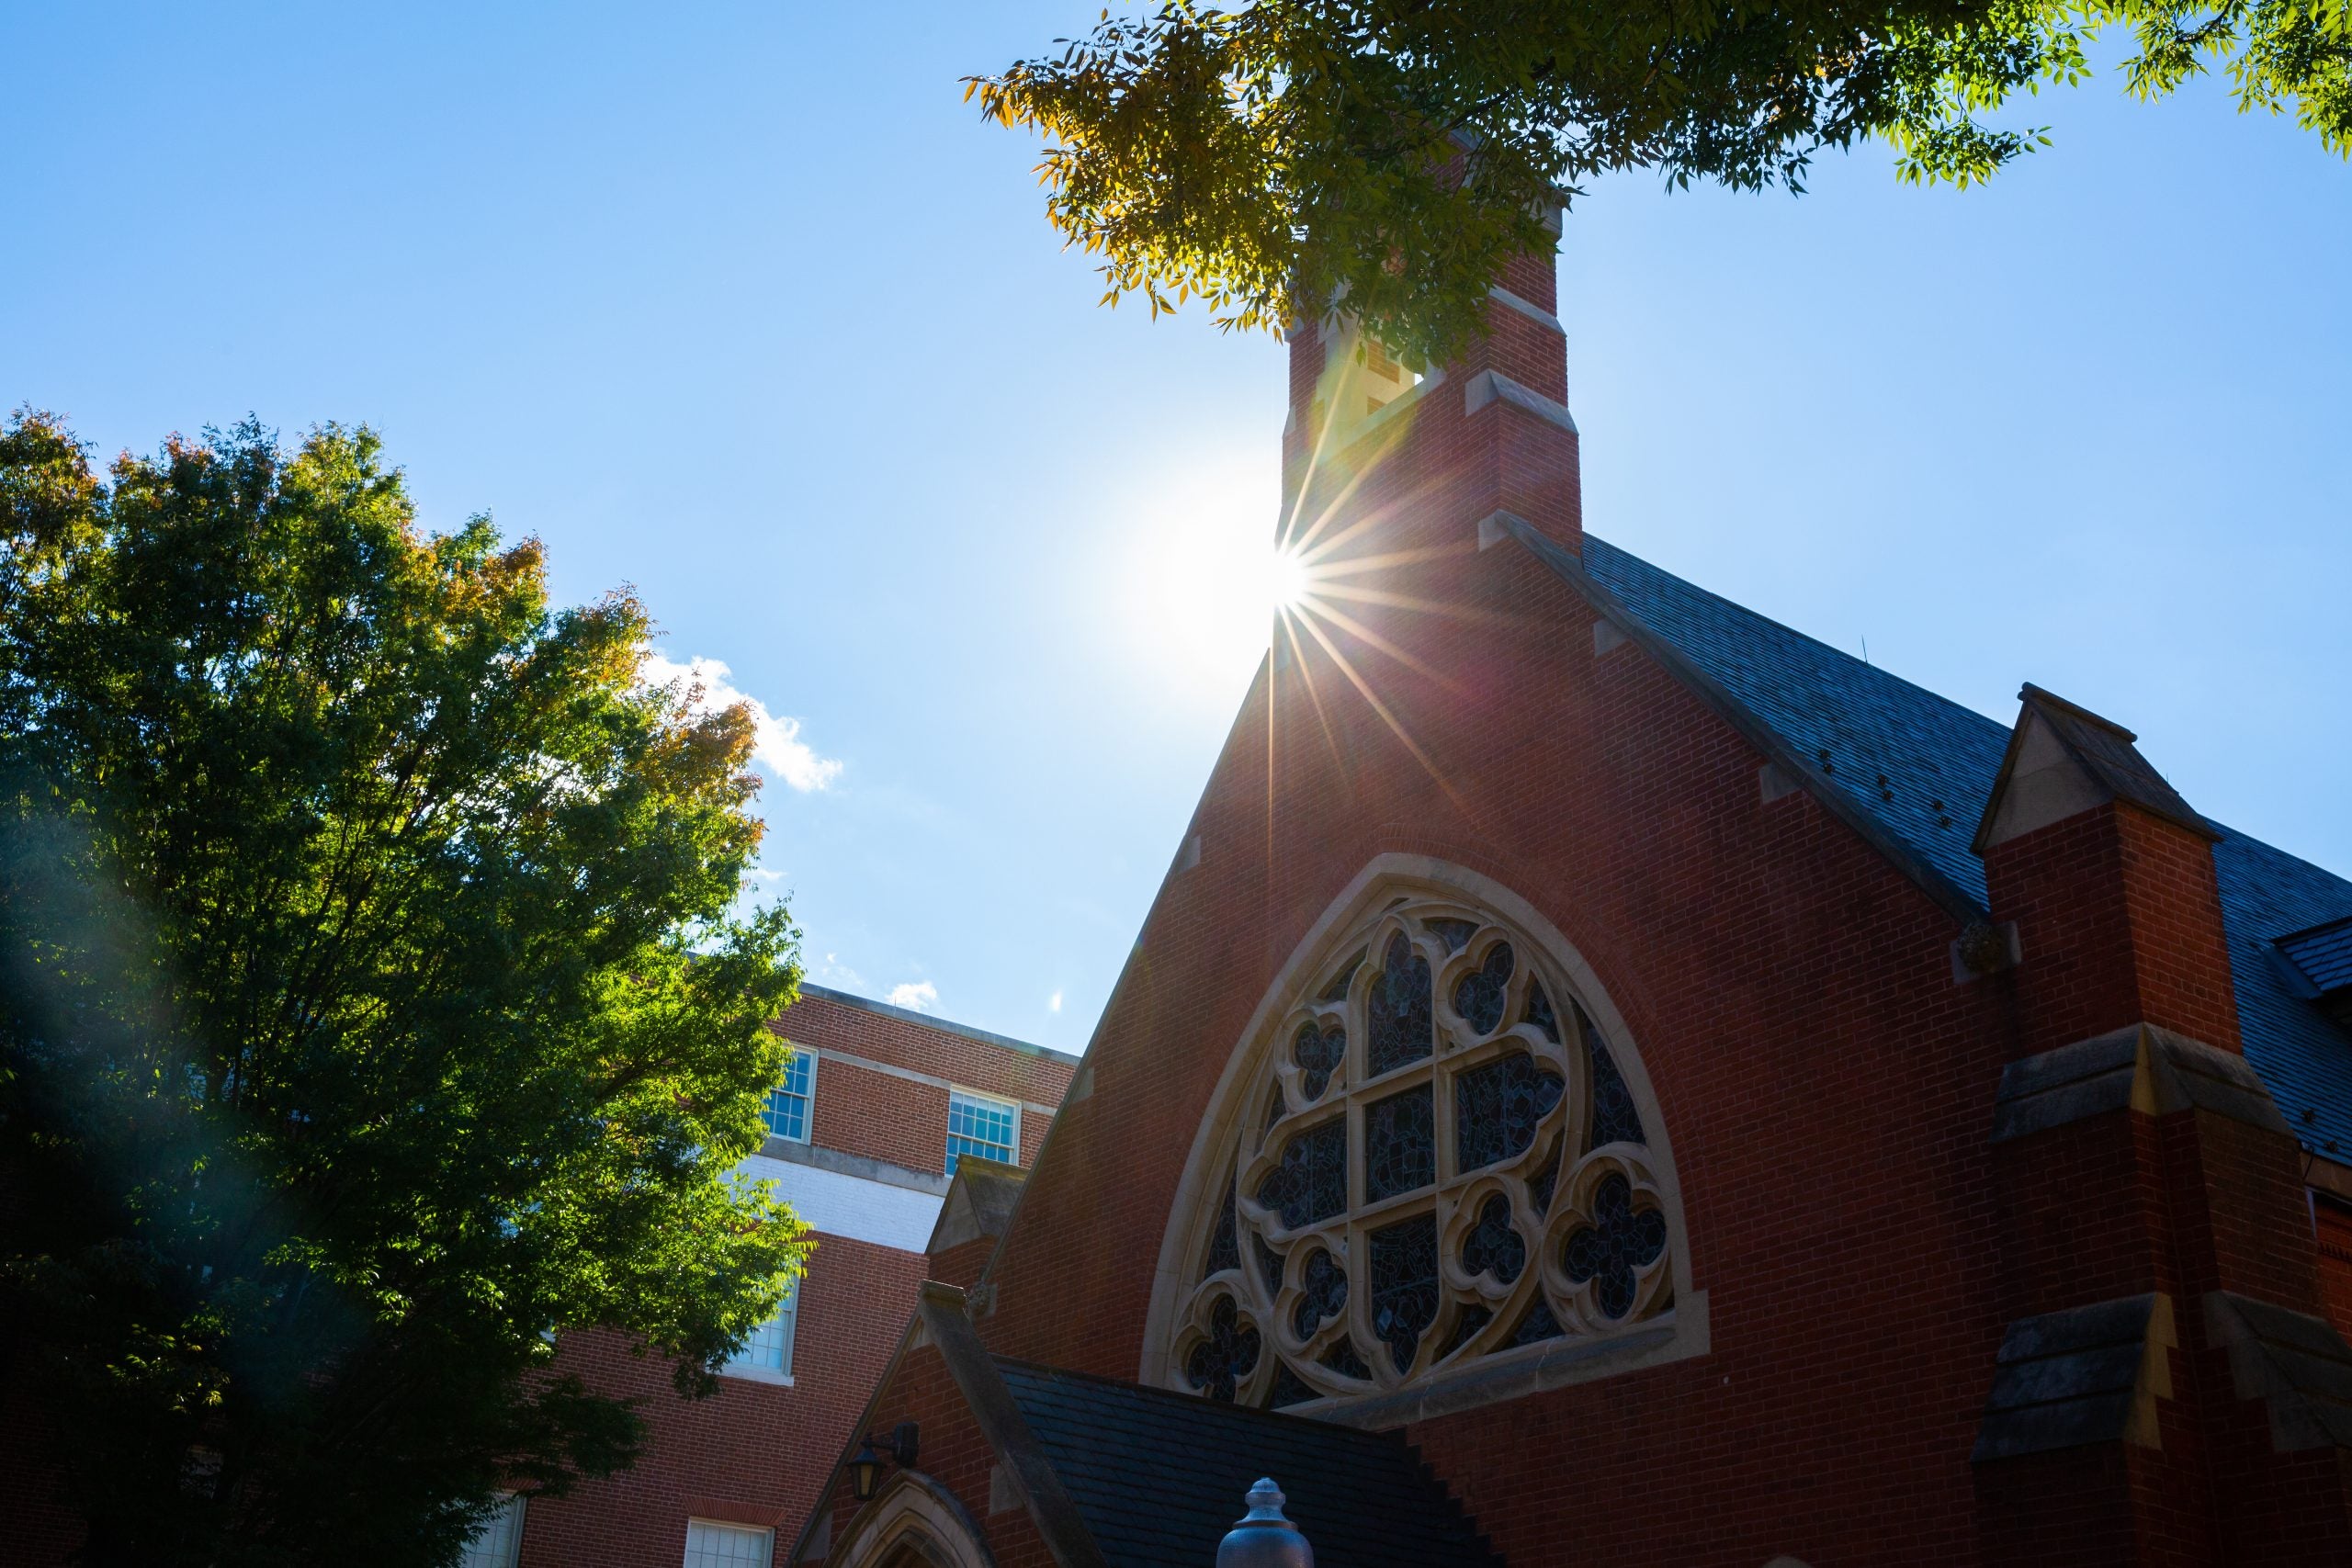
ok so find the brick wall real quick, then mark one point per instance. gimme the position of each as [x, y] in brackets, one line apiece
[1827, 1088]
[887, 1116]
[756, 1452]
[2334, 1220]
[1827, 1084]
[2121, 913]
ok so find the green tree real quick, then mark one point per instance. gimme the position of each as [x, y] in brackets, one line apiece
[373, 1005]
[1269, 158]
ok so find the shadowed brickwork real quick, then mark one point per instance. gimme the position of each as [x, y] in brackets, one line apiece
[1957, 1291]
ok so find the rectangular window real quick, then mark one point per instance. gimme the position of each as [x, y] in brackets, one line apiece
[710, 1545]
[497, 1541]
[767, 1354]
[982, 1126]
[791, 1102]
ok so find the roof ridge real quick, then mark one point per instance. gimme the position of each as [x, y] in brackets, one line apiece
[1936, 763]
[943, 1025]
[1768, 737]
[1852, 660]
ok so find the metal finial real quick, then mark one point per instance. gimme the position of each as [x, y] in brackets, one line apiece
[1265, 1537]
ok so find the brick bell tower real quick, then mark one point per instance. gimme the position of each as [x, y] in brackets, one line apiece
[1430, 457]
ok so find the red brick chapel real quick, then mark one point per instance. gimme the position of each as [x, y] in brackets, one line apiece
[1609, 1079]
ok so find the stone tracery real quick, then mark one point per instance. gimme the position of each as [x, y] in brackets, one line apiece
[1449, 1165]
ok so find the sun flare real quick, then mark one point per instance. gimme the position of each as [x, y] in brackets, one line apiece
[1287, 579]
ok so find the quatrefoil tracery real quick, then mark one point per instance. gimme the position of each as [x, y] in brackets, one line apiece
[1448, 1165]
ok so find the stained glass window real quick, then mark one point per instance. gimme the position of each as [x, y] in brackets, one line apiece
[1269, 1265]
[1318, 1053]
[1492, 1246]
[1227, 1354]
[1539, 1011]
[1337, 991]
[1614, 1119]
[1401, 1022]
[1399, 1144]
[1540, 1185]
[1530, 1098]
[1311, 1182]
[1497, 1108]
[1466, 1324]
[1225, 1243]
[1288, 1389]
[1480, 996]
[1615, 1247]
[1404, 1285]
[1455, 934]
[1325, 1288]
[1539, 1324]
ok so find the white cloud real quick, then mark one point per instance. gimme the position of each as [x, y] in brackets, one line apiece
[1054, 1002]
[831, 971]
[920, 995]
[776, 740]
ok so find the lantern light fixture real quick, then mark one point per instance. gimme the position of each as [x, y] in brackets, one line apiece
[900, 1445]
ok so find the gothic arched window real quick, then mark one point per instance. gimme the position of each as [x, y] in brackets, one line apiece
[1438, 1163]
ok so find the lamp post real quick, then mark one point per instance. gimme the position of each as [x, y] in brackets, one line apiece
[1264, 1539]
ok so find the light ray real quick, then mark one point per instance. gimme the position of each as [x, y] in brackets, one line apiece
[1365, 687]
[1322, 718]
[1289, 578]
[1357, 628]
[1356, 566]
[1427, 606]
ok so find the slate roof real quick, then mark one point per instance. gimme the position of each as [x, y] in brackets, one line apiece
[2324, 955]
[1924, 768]
[1159, 1477]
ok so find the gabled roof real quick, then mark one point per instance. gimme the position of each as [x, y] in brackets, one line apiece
[1117, 1476]
[2063, 758]
[1919, 770]
[1160, 1476]
[979, 1204]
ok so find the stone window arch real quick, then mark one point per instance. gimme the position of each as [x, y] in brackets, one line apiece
[914, 1522]
[1434, 1174]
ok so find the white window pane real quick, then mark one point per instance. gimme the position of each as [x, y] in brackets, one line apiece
[498, 1541]
[712, 1545]
[770, 1347]
[789, 1103]
[990, 1129]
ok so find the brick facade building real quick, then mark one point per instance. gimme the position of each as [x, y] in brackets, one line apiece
[877, 1103]
[1608, 1078]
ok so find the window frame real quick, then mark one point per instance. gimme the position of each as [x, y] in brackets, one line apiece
[992, 1101]
[512, 1515]
[1239, 1104]
[687, 1555]
[787, 1312]
[807, 1098]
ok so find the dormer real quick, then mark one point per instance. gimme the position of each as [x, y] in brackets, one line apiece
[2319, 964]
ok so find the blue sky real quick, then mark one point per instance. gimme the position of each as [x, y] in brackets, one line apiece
[744, 307]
